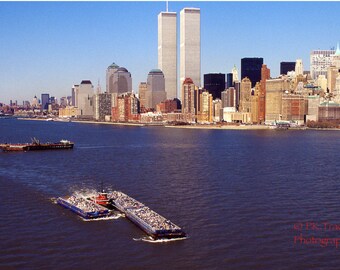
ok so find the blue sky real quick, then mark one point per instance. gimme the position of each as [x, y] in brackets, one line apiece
[46, 47]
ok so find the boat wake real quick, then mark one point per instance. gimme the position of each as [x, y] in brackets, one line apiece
[153, 241]
[116, 216]
[53, 200]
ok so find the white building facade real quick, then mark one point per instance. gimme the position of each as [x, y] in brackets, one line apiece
[84, 99]
[190, 45]
[320, 61]
[298, 67]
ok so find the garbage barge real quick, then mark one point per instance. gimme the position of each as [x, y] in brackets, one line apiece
[149, 221]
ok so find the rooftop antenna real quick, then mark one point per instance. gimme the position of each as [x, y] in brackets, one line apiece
[167, 6]
[99, 89]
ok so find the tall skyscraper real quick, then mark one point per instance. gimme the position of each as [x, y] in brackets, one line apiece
[251, 68]
[45, 99]
[109, 75]
[265, 75]
[190, 45]
[286, 66]
[167, 51]
[214, 83]
[245, 94]
[141, 94]
[84, 98]
[75, 89]
[234, 71]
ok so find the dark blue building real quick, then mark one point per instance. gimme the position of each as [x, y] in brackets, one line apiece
[286, 66]
[229, 80]
[215, 84]
[45, 100]
[251, 68]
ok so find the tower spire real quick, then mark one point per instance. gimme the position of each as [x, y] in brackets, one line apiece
[337, 52]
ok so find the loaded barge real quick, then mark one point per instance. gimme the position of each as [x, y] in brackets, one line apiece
[36, 145]
[83, 207]
[149, 221]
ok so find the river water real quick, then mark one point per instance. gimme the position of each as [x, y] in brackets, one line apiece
[247, 199]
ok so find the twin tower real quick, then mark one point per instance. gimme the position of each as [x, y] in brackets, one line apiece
[190, 48]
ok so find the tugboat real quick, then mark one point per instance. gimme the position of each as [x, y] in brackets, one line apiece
[36, 145]
[102, 199]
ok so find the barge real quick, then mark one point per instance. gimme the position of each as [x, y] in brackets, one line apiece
[149, 221]
[36, 145]
[83, 207]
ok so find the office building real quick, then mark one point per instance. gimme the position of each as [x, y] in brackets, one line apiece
[251, 68]
[188, 97]
[155, 89]
[332, 73]
[228, 98]
[286, 67]
[168, 106]
[329, 111]
[84, 99]
[322, 82]
[121, 81]
[35, 102]
[214, 83]
[103, 106]
[143, 87]
[237, 86]
[167, 51]
[245, 93]
[126, 108]
[75, 90]
[298, 67]
[275, 88]
[230, 81]
[337, 89]
[265, 75]
[217, 110]
[45, 100]
[255, 104]
[320, 61]
[190, 45]
[204, 113]
[109, 77]
[293, 107]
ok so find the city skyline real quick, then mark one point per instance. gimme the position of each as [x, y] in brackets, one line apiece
[57, 45]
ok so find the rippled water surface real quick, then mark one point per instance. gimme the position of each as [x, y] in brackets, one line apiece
[238, 194]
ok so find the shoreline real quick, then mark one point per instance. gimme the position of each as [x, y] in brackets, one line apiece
[215, 127]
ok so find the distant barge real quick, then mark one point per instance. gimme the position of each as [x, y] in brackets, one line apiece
[36, 145]
[83, 207]
[149, 221]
